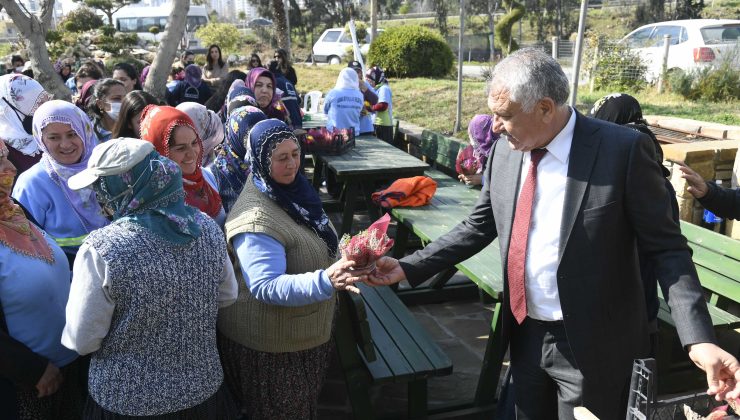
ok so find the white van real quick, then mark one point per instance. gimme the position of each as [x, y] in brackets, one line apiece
[333, 43]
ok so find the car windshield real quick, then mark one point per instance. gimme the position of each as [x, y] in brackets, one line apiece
[723, 34]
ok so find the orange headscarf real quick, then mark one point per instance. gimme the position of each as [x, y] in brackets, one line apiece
[157, 124]
[16, 232]
[407, 192]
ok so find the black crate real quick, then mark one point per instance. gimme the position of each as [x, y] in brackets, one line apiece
[644, 405]
[339, 142]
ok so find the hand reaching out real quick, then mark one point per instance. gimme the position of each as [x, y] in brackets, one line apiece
[342, 276]
[387, 271]
[723, 370]
[50, 381]
[697, 187]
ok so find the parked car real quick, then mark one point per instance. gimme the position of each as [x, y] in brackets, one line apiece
[333, 43]
[694, 44]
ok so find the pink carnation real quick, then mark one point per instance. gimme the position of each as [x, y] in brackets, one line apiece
[369, 245]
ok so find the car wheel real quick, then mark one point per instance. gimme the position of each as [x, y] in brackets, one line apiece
[334, 60]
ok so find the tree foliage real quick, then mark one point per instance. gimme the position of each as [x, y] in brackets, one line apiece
[411, 51]
[108, 7]
[80, 20]
[503, 28]
[441, 9]
[225, 35]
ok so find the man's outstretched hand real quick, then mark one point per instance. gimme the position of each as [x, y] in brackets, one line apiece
[722, 369]
[387, 271]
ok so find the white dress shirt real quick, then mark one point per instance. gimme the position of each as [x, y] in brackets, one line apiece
[543, 243]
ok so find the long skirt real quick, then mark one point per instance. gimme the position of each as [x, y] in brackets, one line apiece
[66, 403]
[218, 406]
[275, 385]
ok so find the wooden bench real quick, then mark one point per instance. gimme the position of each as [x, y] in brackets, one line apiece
[717, 259]
[379, 341]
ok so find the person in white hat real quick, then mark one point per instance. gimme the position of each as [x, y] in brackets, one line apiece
[146, 291]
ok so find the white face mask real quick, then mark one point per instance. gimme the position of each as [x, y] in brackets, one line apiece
[19, 69]
[115, 109]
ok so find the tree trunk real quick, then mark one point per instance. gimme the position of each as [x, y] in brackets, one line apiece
[156, 81]
[373, 20]
[491, 27]
[109, 13]
[34, 30]
[281, 25]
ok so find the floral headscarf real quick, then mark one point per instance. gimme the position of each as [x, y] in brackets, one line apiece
[151, 195]
[299, 199]
[275, 109]
[377, 75]
[230, 166]
[239, 95]
[157, 125]
[25, 95]
[82, 201]
[144, 74]
[16, 232]
[208, 125]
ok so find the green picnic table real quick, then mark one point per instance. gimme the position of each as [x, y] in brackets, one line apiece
[361, 167]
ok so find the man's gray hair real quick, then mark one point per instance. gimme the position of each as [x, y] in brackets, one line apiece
[530, 75]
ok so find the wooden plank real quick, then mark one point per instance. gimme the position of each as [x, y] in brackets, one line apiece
[720, 318]
[711, 240]
[372, 157]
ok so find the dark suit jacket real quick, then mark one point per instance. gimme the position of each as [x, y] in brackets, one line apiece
[615, 198]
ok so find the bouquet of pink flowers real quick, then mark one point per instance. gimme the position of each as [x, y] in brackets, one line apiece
[467, 163]
[367, 246]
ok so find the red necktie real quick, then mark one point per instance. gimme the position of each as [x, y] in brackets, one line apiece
[518, 243]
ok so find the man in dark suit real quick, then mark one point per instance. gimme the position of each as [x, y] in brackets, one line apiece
[569, 198]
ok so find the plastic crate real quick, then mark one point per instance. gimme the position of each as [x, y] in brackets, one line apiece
[643, 404]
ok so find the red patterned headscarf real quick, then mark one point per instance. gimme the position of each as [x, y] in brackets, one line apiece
[157, 125]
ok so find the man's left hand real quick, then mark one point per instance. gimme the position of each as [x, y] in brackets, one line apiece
[722, 369]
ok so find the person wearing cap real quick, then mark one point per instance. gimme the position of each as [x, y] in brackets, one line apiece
[343, 104]
[275, 339]
[384, 108]
[66, 137]
[146, 291]
[39, 378]
[370, 98]
[174, 135]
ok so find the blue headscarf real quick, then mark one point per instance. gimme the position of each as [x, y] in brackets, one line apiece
[230, 166]
[151, 195]
[298, 199]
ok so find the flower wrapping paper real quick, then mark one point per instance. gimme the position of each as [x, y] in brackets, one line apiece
[369, 245]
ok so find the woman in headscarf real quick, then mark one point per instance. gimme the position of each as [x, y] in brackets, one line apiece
[275, 339]
[174, 135]
[21, 96]
[39, 378]
[262, 83]
[343, 104]
[65, 134]
[85, 94]
[230, 167]
[481, 138]
[384, 108]
[208, 125]
[239, 95]
[190, 89]
[146, 292]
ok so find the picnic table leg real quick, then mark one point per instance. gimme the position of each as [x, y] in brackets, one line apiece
[485, 394]
[358, 383]
[401, 240]
[372, 209]
[318, 167]
[417, 404]
[348, 213]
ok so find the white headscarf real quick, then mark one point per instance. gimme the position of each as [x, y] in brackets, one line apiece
[26, 95]
[347, 79]
[209, 126]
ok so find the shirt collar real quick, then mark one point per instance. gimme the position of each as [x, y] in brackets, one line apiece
[559, 147]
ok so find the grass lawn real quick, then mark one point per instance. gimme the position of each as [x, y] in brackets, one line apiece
[430, 103]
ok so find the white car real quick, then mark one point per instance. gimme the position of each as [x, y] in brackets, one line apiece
[694, 44]
[333, 43]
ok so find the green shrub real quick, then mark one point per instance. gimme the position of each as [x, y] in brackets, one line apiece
[411, 51]
[711, 84]
[616, 67]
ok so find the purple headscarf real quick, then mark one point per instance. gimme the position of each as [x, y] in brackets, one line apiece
[83, 201]
[481, 135]
[144, 74]
[85, 94]
[193, 75]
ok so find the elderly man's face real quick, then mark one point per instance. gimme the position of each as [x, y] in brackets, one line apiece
[523, 130]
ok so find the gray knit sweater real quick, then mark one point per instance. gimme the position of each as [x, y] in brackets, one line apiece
[159, 355]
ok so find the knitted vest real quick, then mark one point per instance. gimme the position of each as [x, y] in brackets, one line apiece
[160, 353]
[272, 328]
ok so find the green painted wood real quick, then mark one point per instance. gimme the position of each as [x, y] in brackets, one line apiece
[720, 318]
[485, 393]
[372, 158]
[361, 328]
[440, 149]
[417, 400]
[712, 240]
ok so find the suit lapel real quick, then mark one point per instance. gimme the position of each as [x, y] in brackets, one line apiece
[509, 169]
[583, 151]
